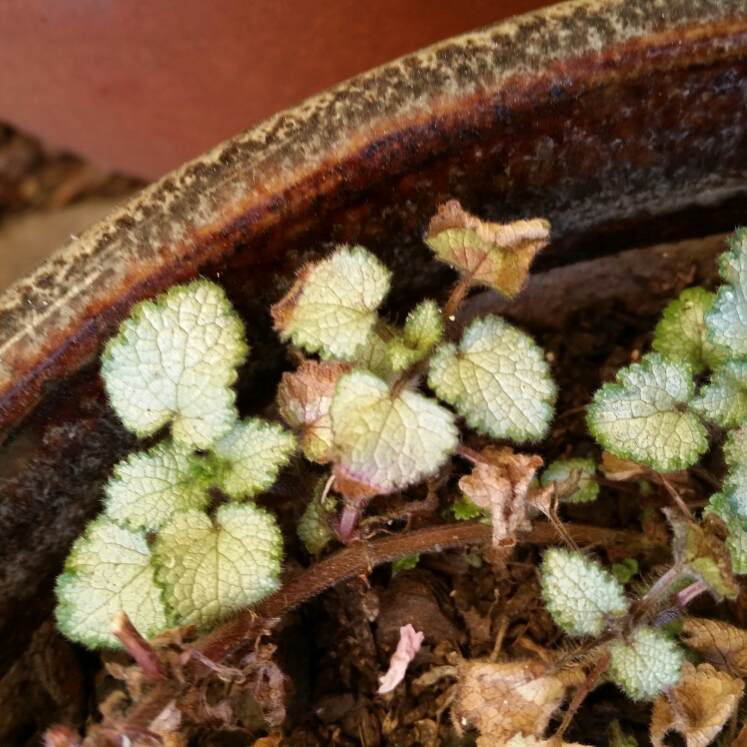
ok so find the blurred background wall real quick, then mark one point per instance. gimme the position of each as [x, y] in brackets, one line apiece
[141, 86]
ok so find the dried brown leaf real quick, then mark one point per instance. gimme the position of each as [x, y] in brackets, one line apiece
[621, 470]
[282, 312]
[304, 397]
[703, 553]
[697, 707]
[503, 700]
[723, 645]
[501, 487]
[492, 254]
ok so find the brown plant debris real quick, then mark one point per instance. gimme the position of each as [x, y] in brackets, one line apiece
[501, 486]
[505, 699]
[723, 645]
[697, 707]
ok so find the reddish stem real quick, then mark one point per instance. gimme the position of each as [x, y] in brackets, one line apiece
[140, 650]
[689, 593]
[348, 522]
[359, 558]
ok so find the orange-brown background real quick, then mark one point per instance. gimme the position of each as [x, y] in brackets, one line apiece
[143, 85]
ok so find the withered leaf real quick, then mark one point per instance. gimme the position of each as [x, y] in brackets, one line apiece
[304, 398]
[703, 554]
[491, 254]
[723, 645]
[501, 487]
[506, 699]
[697, 707]
[621, 470]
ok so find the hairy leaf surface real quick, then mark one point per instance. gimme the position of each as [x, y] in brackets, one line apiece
[643, 415]
[109, 569]
[174, 362]
[208, 571]
[497, 379]
[332, 308]
[385, 441]
[149, 487]
[579, 594]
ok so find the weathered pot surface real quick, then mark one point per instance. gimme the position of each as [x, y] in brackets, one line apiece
[624, 122]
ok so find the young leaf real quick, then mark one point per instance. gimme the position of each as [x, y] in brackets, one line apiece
[642, 416]
[578, 593]
[724, 399]
[721, 644]
[561, 469]
[304, 398]
[727, 319]
[405, 564]
[248, 459]
[491, 254]
[332, 308]
[423, 329]
[149, 487]
[501, 488]
[504, 699]
[108, 570]
[174, 361]
[681, 335]
[697, 707]
[731, 513]
[497, 379]
[646, 664]
[385, 441]
[466, 510]
[207, 571]
[313, 526]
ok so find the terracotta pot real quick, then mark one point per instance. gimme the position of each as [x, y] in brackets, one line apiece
[624, 123]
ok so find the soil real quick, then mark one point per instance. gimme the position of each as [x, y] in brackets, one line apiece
[591, 318]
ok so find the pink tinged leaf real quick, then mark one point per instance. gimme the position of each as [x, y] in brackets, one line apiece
[408, 646]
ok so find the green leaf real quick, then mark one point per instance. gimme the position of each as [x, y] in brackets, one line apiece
[681, 335]
[727, 319]
[332, 308]
[373, 356]
[174, 362]
[423, 329]
[646, 664]
[578, 593]
[248, 459]
[405, 564]
[561, 469]
[497, 379]
[386, 441]
[735, 454]
[722, 505]
[304, 398]
[624, 571]
[642, 416]
[724, 399]
[148, 487]
[207, 571]
[491, 254]
[313, 526]
[109, 569]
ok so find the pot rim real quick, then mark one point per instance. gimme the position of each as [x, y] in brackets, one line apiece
[55, 319]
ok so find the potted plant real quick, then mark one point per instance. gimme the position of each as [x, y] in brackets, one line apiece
[621, 124]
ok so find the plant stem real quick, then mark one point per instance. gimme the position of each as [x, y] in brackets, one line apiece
[140, 650]
[689, 593]
[359, 558]
[457, 296]
[581, 693]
